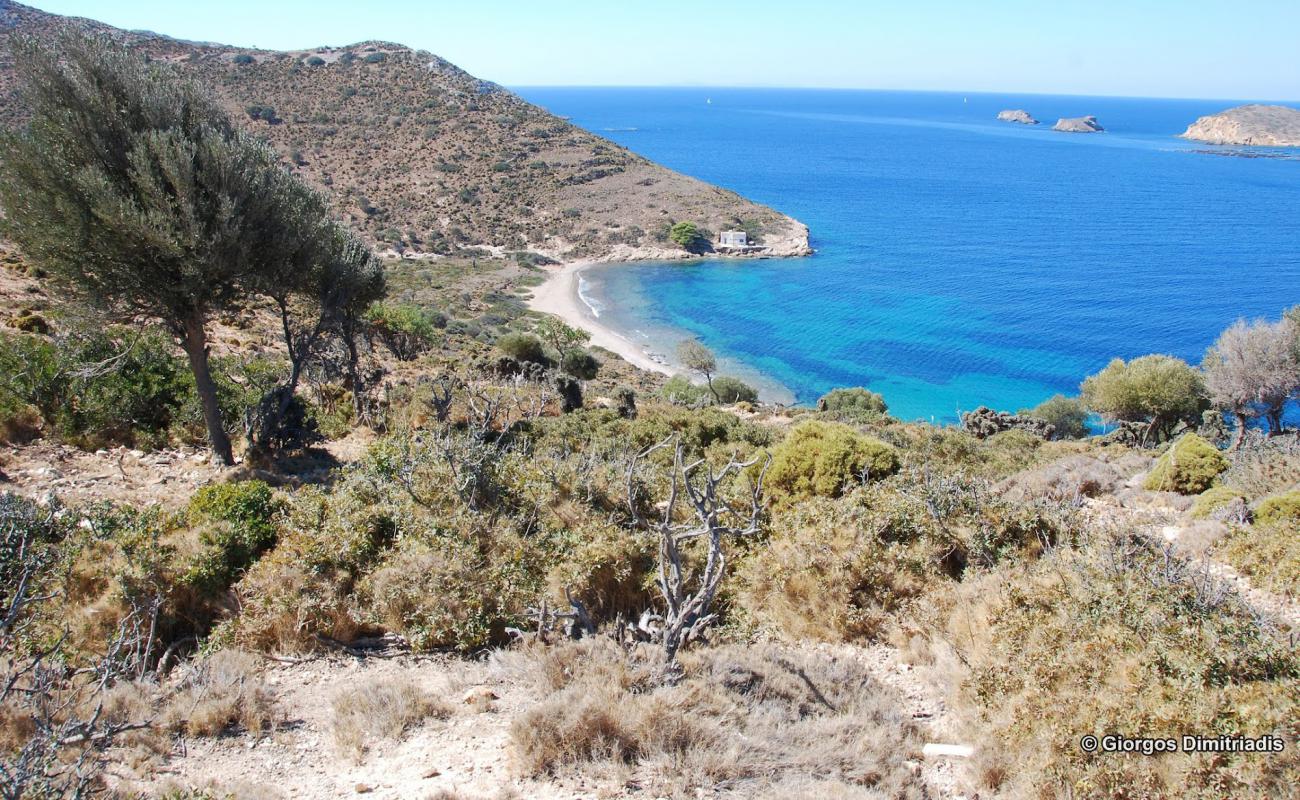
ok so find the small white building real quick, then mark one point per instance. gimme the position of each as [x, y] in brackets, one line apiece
[733, 239]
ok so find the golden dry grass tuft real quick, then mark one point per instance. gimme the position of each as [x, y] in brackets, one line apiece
[223, 691]
[742, 722]
[383, 710]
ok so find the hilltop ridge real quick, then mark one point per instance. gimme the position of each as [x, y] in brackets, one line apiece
[422, 157]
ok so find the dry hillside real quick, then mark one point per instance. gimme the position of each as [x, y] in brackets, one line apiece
[425, 158]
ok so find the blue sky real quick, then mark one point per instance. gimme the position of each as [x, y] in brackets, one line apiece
[1248, 49]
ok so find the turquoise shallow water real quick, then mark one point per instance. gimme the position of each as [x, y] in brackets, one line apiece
[961, 261]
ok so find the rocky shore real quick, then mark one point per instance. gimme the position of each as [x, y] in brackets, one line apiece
[1250, 125]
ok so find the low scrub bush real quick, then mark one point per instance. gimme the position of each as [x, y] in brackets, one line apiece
[1213, 499]
[219, 692]
[1190, 466]
[522, 346]
[836, 570]
[823, 459]
[733, 390]
[236, 526]
[95, 388]
[1182, 655]
[407, 330]
[383, 709]
[760, 721]
[853, 401]
[1066, 414]
[302, 588]
[1283, 509]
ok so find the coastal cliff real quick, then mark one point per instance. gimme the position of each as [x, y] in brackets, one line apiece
[1257, 125]
[1086, 124]
[422, 158]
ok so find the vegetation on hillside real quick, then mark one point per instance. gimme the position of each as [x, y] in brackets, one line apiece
[650, 557]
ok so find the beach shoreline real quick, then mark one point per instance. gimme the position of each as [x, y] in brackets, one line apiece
[558, 295]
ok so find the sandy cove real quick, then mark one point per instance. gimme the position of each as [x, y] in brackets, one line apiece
[559, 296]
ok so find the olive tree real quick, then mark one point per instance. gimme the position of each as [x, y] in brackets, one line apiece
[1251, 370]
[1158, 391]
[132, 186]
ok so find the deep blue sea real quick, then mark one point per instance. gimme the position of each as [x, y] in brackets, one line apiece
[960, 260]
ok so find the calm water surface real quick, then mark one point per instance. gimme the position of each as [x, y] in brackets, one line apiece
[961, 261]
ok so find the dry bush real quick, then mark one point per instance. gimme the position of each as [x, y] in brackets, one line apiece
[742, 722]
[219, 692]
[1264, 465]
[382, 710]
[835, 570]
[1122, 637]
[1267, 554]
[1074, 477]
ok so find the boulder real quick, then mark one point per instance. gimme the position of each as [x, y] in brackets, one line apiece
[983, 422]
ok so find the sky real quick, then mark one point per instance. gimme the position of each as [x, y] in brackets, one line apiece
[1247, 49]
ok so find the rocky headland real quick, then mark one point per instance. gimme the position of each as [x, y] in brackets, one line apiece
[1017, 115]
[1253, 125]
[1086, 124]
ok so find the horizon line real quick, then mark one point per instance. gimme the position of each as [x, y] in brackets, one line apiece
[958, 92]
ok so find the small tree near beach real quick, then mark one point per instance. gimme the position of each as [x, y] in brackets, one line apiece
[699, 359]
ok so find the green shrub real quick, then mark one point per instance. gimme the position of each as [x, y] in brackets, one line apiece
[405, 329]
[1067, 414]
[1284, 509]
[376, 58]
[100, 387]
[243, 58]
[1213, 499]
[580, 364]
[822, 459]
[523, 346]
[1188, 467]
[236, 522]
[688, 236]
[853, 400]
[302, 588]
[734, 390]
[679, 390]
[315, 61]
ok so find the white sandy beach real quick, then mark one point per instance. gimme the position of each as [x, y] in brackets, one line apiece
[559, 296]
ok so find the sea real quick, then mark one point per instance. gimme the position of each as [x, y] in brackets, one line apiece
[960, 261]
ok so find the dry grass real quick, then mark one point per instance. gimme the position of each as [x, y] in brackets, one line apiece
[1074, 477]
[1117, 637]
[382, 711]
[220, 692]
[742, 722]
[1269, 555]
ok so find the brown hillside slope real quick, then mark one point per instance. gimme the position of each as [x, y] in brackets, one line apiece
[424, 158]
